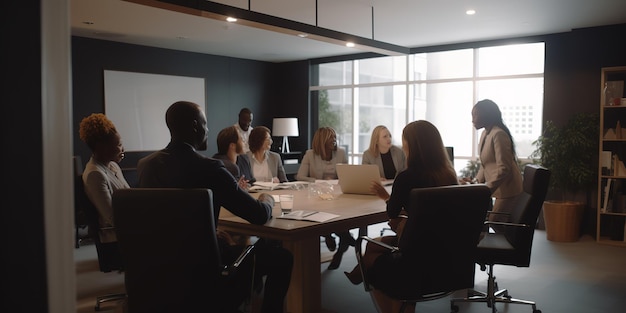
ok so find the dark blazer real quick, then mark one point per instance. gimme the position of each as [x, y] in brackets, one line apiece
[242, 167]
[180, 166]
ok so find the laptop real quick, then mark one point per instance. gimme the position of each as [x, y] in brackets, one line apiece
[357, 178]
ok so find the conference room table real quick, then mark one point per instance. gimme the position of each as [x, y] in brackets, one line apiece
[302, 238]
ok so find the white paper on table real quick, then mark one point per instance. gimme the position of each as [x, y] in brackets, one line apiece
[305, 215]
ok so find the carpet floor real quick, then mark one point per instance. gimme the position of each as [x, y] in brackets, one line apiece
[577, 277]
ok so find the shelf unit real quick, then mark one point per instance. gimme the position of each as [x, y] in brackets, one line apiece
[611, 216]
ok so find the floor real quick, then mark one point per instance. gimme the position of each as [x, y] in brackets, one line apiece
[578, 277]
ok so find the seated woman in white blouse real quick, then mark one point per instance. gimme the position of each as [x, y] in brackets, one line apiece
[266, 165]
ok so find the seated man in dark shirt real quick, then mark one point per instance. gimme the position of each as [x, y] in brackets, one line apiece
[180, 166]
[230, 151]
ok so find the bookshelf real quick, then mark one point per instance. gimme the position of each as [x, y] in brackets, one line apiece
[611, 213]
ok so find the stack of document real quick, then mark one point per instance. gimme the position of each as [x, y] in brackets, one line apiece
[268, 186]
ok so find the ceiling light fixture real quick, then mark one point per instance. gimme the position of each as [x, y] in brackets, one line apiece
[350, 44]
[218, 11]
[470, 12]
[231, 19]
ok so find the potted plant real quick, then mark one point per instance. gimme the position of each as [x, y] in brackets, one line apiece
[570, 153]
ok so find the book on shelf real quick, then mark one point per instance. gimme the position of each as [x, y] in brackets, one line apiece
[606, 161]
[606, 202]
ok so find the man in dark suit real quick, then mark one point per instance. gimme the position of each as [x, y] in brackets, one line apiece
[180, 166]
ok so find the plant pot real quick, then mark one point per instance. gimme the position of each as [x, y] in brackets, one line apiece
[562, 220]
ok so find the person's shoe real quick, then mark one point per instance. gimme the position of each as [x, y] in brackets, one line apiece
[354, 276]
[336, 261]
[330, 242]
[348, 239]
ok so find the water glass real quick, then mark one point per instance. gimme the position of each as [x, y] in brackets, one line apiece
[286, 203]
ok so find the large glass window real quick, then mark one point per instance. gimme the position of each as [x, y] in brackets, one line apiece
[441, 87]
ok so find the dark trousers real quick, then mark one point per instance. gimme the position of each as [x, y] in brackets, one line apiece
[269, 261]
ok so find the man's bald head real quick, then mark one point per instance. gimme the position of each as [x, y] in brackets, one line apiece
[187, 122]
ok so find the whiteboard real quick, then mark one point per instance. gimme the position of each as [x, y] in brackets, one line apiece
[136, 104]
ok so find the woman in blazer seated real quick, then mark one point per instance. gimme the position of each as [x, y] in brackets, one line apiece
[389, 158]
[320, 162]
[266, 165]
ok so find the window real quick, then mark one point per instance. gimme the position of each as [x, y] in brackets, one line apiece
[355, 96]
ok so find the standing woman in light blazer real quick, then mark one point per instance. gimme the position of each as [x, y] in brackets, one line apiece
[389, 158]
[266, 165]
[499, 169]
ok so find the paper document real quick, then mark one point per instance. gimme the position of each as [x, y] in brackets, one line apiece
[257, 186]
[305, 215]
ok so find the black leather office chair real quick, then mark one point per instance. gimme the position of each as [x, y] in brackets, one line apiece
[109, 258]
[437, 250]
[169, 245]
[513, 245]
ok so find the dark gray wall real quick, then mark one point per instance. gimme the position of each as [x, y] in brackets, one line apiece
[231, 84]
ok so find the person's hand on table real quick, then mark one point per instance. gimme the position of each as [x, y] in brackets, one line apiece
[243, 183]
[379, 190]
[224, 236]
[266, 197]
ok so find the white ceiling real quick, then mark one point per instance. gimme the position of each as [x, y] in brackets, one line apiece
[409, 23]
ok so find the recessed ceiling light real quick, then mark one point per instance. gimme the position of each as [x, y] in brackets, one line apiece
[231, 19]
[349, 44]
[470, 12]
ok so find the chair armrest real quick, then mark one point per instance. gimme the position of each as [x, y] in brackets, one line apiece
[359, 256]
[229, 269]
[496, 213]
[377, 242]
[506, 224]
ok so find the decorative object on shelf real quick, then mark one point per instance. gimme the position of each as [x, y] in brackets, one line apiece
[613, 91]
[569, 153]
[285, 127]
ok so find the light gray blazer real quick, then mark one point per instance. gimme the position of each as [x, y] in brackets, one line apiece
[274, 162]
[100, 182]
[498, 170]
[312, 166]
[397, 155]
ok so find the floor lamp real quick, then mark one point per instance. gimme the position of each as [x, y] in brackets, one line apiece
[285, 127]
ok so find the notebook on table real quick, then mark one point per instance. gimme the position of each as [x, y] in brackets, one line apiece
[357, 178]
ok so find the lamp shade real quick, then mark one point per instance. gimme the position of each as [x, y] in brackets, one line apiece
[285, 127]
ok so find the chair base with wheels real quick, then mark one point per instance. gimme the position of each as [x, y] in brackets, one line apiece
[492, 296]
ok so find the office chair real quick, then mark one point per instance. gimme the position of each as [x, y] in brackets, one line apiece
[436, 253]
[109, 258]
[169, 245]
[513, 245]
